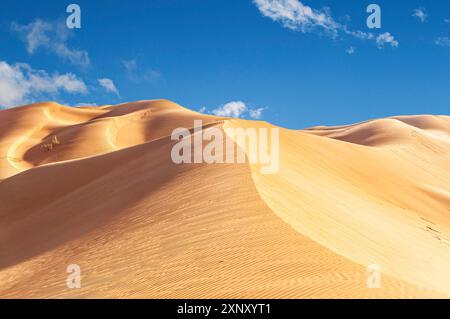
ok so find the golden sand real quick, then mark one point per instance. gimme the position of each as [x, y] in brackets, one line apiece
[106, 196]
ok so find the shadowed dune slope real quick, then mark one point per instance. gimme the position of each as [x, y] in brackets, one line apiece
[109, 198]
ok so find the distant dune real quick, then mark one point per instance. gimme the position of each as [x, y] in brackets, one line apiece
[96, 186]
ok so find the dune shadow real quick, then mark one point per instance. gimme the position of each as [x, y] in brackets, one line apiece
[45, 207]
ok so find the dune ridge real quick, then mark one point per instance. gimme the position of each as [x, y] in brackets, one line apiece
[109, 198]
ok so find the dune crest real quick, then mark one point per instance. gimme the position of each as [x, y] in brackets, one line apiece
[108, 197]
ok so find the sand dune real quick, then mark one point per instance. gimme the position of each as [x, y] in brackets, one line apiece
[108, 197]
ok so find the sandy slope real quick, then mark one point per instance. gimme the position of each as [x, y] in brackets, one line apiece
[109, 198]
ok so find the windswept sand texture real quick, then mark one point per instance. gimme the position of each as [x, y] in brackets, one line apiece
[109, 198]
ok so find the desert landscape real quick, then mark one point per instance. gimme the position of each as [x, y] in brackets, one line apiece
[96, 187]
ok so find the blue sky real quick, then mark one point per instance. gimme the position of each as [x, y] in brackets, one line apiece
[295, 63]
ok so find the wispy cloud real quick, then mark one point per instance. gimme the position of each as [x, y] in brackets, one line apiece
[237, 109]
[386, 38]
[256, 113]
[295, 15]
[137, 73]
[420, 14]
[351, 50]
[108, 85]
[443, 41]
[53, 37]
[359, 34]
[21, 84]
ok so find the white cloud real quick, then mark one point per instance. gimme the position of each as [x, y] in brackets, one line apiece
[386, 38]
[420, 14]
[256, 113]
[53, 37]
[295, 15]
[236, 109]
[231, 109]
[443, 41]
[69, 83]
[138, 74]
[108, 85]
[359, 34]
[20, 84]
[351, 50]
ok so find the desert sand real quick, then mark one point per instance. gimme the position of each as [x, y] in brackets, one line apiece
[95, 186]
